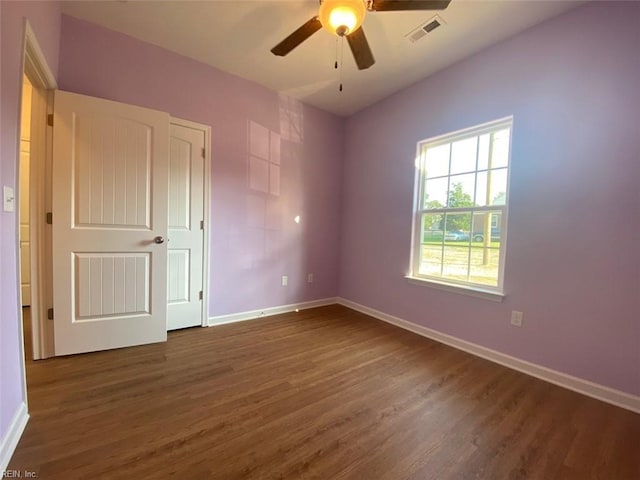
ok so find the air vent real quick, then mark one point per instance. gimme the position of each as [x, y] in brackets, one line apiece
[426, 28]
[430, 27]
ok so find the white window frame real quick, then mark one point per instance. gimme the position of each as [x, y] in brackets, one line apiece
[495, 293]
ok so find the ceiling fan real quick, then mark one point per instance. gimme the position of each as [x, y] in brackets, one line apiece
[344, 17]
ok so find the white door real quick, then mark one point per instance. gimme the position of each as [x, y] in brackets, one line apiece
[110, 185]
[186, 223]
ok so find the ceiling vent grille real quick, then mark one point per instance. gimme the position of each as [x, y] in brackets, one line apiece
[423, 30]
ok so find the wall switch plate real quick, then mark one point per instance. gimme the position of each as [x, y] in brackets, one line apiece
[285, 280]
[9, 199]
[516, 318]
[310, 278]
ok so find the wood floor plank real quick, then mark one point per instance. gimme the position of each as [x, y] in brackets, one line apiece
[326, 393]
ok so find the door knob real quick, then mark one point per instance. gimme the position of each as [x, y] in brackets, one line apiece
[159, 239]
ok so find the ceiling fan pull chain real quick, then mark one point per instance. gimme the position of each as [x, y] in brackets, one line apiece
[335, 65]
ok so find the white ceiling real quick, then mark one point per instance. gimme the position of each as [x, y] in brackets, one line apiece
[236, 36]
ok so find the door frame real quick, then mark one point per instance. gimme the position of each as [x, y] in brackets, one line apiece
[37, 70]
[206, 213]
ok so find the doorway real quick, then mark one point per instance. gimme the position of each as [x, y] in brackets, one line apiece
[34, 201]
[187, 247]
[23, 215]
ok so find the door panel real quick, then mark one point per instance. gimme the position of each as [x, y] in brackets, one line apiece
[113, 189]
[111, 284]
[180, 180]
[186, 205]
[179, 281]
[109, 204]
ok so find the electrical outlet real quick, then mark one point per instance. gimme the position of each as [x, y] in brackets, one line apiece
[285, 280]
[516, 318]
[310, 278]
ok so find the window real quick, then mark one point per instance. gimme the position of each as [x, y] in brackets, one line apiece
[461, 207]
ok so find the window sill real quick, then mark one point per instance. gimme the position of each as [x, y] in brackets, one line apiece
[464, 290]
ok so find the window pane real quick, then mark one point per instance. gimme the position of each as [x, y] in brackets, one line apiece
[500, 151]
[432, 228]
[461, 190]
[486, 229]
[435, 192]
[481, 189]
[463, 155]
[498, 181]
[437, 161]
[455, 263]
[483, 151]
[484, 267]
[457, 226]
[496, 220]
[430, 260]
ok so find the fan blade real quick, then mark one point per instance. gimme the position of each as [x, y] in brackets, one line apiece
[360, 49]
[297, 37]
[399, 5]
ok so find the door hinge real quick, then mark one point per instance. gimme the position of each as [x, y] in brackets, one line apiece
[50, 119]
[200, 295]
[201, 224]
[50, 314]
[50, 218]
[203, 152]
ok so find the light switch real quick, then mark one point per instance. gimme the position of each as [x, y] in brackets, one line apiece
[9, 201]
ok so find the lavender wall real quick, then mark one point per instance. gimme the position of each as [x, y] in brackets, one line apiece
[572, 261]
[254, 239]
[44, 18]
[573, 254]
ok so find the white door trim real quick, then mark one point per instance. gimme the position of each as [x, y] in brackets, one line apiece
[36, 68]
[35, 64]
[206, 212]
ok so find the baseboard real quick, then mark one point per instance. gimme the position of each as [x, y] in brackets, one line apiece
[600, 392]
[266, 312]
[10, 441]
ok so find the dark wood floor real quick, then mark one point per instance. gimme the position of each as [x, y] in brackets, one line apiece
[326, 394]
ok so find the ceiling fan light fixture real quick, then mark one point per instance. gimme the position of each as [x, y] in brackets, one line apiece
[341, 17]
